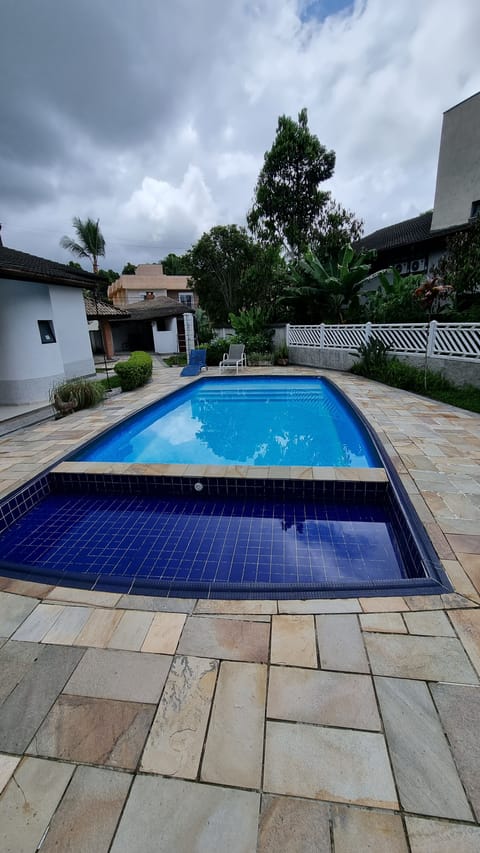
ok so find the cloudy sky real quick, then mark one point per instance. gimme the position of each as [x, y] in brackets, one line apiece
[154, 115]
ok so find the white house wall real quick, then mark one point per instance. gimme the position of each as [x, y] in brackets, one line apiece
[71, 328]
[167, 341]
[28, 368]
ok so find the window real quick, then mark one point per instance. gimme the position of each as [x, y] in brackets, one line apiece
[475, 209]
[47, 334]
[186, 299]
[161, 327]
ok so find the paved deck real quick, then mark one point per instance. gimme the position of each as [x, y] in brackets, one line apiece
[156, 724]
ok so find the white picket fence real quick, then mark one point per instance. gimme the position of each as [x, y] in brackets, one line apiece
[445, 340]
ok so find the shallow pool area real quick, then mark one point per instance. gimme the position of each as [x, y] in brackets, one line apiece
[242, 421]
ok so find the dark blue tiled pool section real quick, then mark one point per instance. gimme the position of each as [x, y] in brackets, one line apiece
[236, 538]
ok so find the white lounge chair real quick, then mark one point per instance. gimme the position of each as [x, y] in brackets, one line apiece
[234, 358]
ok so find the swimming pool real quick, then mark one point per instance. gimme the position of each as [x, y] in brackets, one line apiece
[243, 421]
[303, 532]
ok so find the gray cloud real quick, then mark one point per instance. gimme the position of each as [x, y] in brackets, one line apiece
[155, 116]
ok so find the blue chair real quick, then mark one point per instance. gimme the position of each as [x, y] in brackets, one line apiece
[196, 362]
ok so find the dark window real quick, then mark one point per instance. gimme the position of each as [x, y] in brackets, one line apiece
[475, 209]
[186, 299]
[161, 327]
[47, 334]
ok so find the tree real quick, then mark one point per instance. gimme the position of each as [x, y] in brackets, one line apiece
[129, 269]
[90, 242]
[289, 209]
[329, 291]
[176, 264]
[219, 263]
[107, 278]
[394, 300]
[460, 267]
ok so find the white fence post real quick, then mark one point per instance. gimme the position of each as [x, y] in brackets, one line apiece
[368, 332]
[287, 334]
[432, 334]
[322, 335]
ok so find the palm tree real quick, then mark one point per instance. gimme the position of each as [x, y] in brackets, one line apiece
[91, 243]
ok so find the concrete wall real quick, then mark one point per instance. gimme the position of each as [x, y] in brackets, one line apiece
[459, 370]
[458, 174]
[72, 331]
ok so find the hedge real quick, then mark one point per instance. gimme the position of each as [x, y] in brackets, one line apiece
[134, 372]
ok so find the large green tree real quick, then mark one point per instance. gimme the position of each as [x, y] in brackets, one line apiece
[176, 264]
[290, 210]
[89, 242]
[230, 271]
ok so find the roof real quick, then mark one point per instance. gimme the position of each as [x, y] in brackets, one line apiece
[20, 266]
[98, 308]
[402, 233]
[161, 306]
[406, 233]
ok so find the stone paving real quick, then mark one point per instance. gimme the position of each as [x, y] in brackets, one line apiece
[136, 723]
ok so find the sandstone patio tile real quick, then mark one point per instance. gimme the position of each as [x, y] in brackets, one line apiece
[38, 623]
[14, 609]
[8, 763]
[328, 764]
[175, 743]
[164, 633]
[340, 643]
[441, 836]
[157, 603]
[83, 596]
[24, 709]
[89, 812]
[426, 776]
[464, 543]
[182, 817]
[322, 605]
[131, 631]
[233, 750]
[467, 625]
[16, 659]
[383, 623]
[68, 625]
[29, 801]
[253, 607]
[324, 698]
[357, 830]
[432, 623]
[27, 588]
[460, 580]
[225, 638]
[99, 628]
[471, 565]
[293, 641]
[427, 658]
[287, 824]
[383, 605]
[94, 731]
[112, 674]
[459, 709]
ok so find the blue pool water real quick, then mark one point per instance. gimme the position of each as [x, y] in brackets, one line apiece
[243, 421]
[131, 540]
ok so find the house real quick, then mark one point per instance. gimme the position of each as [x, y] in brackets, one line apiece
[150, 279]
[155, 324]
[416, 245]
[44, 336]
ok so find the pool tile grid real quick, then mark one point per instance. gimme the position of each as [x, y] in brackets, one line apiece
[229, 673]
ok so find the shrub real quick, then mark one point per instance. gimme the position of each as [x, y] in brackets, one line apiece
[111, 382]
[134, 372]
[373, 359]
[256, 358]
[216, 349]
[81, 391]
[178, 360]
